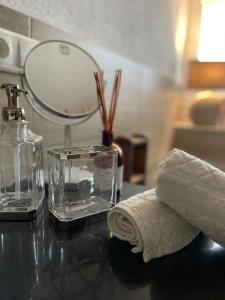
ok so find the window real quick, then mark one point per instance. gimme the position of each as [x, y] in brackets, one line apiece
[212, 31]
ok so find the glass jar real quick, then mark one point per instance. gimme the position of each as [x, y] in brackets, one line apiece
[21, 171]
[107, 140]
[77, 186]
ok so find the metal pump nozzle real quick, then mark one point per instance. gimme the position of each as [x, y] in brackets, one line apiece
[13, 111]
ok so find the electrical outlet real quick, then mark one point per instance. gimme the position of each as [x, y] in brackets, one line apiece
[8, 48]
[13, 50]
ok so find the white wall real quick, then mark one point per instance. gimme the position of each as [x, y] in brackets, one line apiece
[137, 36]
[142, 30]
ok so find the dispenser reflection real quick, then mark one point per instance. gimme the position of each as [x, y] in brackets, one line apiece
[22, 252]
[39, 262]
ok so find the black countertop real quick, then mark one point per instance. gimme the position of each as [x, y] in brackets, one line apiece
[39, 262]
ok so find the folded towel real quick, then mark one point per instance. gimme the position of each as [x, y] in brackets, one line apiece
[150, 226]
[196, 190]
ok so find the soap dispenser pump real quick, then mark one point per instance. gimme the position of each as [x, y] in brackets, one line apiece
[21, 166]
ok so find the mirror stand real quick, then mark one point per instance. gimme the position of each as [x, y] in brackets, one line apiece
[67, 136]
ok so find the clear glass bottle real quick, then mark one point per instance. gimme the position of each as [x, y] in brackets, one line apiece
[21, 171]
[107, 140]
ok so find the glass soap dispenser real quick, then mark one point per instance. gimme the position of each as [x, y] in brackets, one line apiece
[21, 170]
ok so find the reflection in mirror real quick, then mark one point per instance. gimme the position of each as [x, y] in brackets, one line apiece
[60, 76]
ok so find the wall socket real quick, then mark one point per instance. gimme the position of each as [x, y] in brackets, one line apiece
[14, 49]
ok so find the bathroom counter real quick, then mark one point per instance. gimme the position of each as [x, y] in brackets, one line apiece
[40, 263]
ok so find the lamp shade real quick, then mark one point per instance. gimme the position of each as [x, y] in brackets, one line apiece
[206, 75]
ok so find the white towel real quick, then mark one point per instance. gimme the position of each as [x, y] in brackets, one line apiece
[150, 226]
[196, 190]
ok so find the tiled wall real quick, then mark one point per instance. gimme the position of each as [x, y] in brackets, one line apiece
[146, 99]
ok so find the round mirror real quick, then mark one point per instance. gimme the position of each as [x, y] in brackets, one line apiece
[60, 76]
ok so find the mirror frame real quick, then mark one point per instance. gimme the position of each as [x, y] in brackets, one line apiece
[50, 110]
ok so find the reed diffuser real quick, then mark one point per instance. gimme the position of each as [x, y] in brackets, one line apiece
[108, 119]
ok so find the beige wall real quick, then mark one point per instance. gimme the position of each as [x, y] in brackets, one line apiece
[137, 36]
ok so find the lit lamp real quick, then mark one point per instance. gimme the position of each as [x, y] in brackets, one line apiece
[206, 108]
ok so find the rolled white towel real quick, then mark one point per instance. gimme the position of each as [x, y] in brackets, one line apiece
[195, 190]
[150, 226]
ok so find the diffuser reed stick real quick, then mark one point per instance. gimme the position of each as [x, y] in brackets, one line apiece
[108, 120]
[114, 99]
